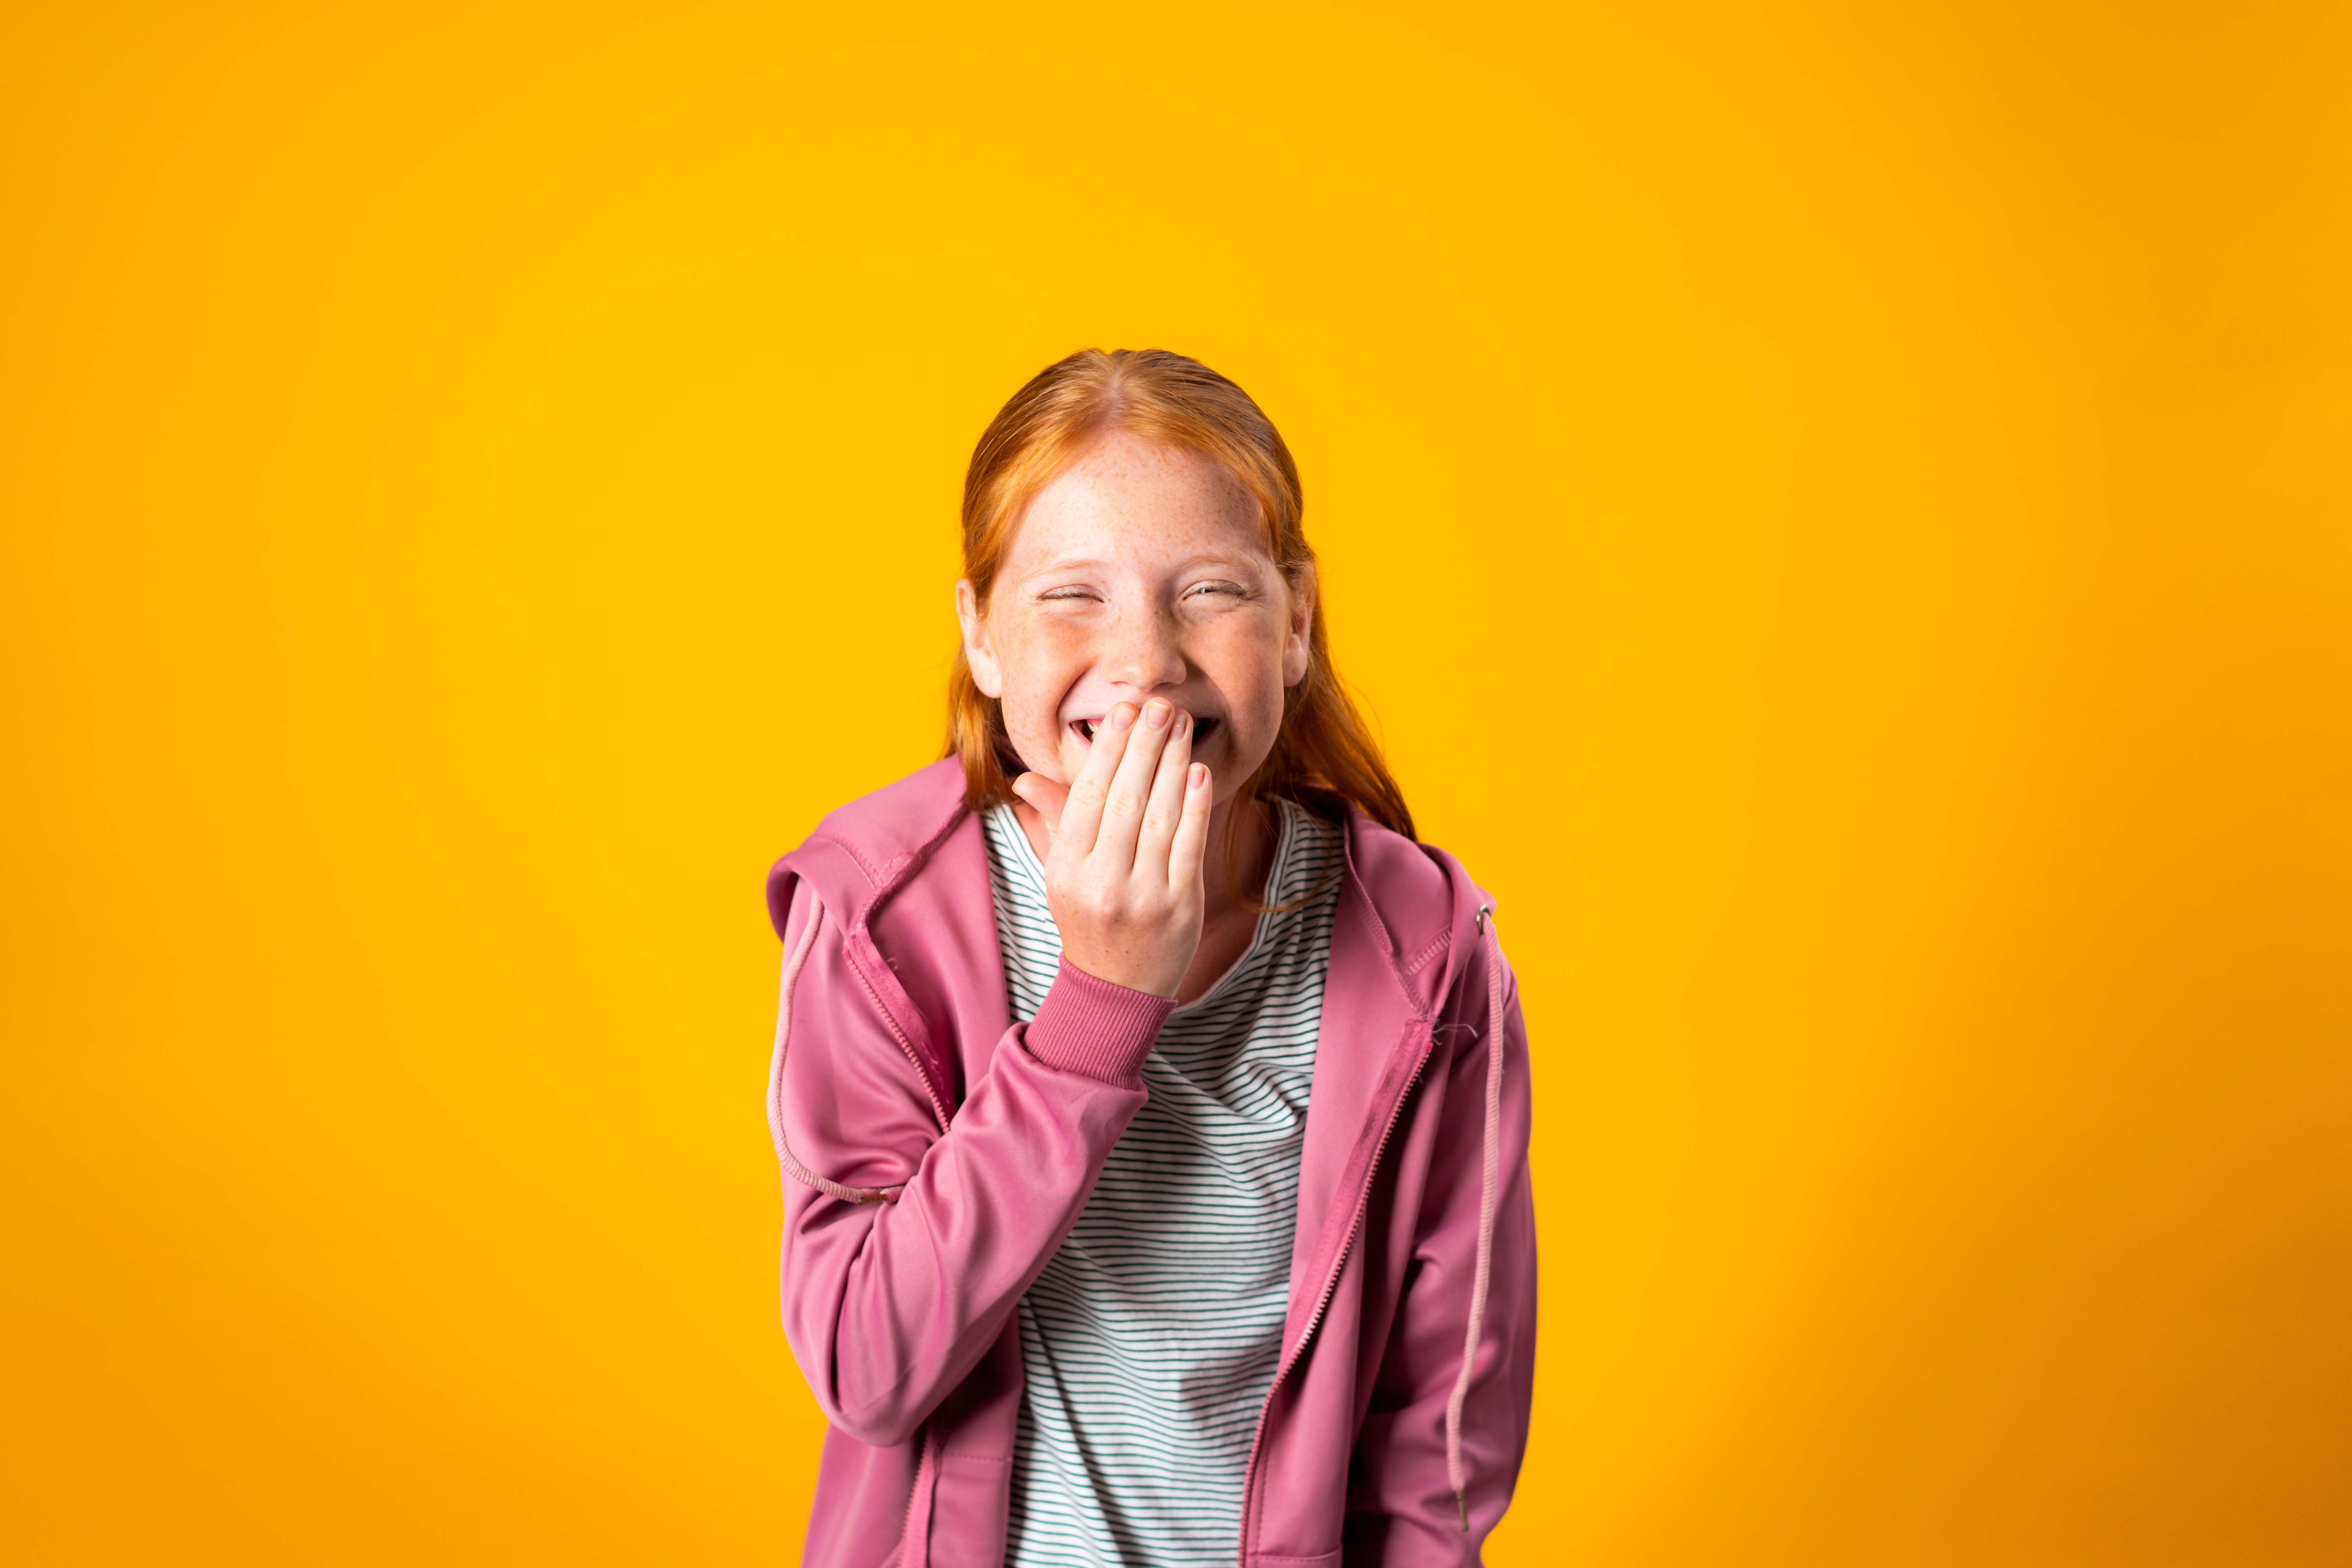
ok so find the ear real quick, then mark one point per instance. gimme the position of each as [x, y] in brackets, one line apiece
[986, 673]
[1297, 647]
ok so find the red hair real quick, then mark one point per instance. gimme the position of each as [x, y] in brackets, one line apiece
[1170, 401]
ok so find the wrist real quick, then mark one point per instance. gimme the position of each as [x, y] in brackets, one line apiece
[1153, 979]
[1095, 1027]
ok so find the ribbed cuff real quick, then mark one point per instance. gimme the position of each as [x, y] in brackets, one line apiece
[1092, 1026]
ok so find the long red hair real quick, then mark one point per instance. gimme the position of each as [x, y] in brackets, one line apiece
[1164, 398]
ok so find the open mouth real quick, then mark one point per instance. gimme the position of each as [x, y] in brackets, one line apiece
[1202, 730]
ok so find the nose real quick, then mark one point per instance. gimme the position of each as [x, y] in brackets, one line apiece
[1143, 654]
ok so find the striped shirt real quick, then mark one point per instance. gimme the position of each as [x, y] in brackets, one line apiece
[1150, 1339]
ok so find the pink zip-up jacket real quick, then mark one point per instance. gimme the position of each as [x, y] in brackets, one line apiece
[936, 1153]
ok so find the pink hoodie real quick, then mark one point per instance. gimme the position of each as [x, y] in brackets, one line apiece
[935, 1154]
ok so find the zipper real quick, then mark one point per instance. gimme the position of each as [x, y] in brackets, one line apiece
[930, 1090]
[887, 881]
[917, 1500]
[1330, 1282]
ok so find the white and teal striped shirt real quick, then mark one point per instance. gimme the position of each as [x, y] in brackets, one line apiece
[1150, 1339]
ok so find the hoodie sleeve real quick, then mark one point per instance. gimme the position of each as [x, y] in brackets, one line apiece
[907, 1244]
[1401, 1508]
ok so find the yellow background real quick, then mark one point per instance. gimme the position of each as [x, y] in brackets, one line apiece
[1842, 512]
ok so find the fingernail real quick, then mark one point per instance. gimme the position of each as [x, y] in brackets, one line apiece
[1120, 717]
[1200, 774]
[1182, 726]
[1155, 714]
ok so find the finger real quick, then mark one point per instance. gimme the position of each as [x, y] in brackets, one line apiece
[1166, 806]
[1044, 797]
[1082, 808]
[1188, 854]
[1130, 789]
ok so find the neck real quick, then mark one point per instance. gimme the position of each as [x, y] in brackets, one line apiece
[1228, 877]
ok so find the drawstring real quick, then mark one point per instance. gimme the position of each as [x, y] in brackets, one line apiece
[793, 1167]
[1489, 1181]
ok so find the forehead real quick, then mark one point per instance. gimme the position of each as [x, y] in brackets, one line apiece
[1133, 502]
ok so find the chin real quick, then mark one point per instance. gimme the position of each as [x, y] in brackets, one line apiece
[1057, 759]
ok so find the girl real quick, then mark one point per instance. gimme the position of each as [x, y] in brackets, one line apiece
[1153, 1108]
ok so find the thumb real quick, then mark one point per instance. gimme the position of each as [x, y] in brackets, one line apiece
[1045, 797]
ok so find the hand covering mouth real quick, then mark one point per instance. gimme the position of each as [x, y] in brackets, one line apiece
[1202, 728]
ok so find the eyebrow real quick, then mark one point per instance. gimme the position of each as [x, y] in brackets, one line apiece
[1190, 562]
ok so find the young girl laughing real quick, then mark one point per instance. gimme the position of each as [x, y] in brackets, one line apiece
[1153, 1108]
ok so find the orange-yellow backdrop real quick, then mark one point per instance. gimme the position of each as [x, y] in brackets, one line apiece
[1843, 513]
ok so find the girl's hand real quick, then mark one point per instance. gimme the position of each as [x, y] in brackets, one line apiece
[1129, 837]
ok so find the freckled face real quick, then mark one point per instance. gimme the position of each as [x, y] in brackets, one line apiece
[1140, 572]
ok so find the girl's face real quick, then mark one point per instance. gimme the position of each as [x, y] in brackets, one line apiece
[1140, 572]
